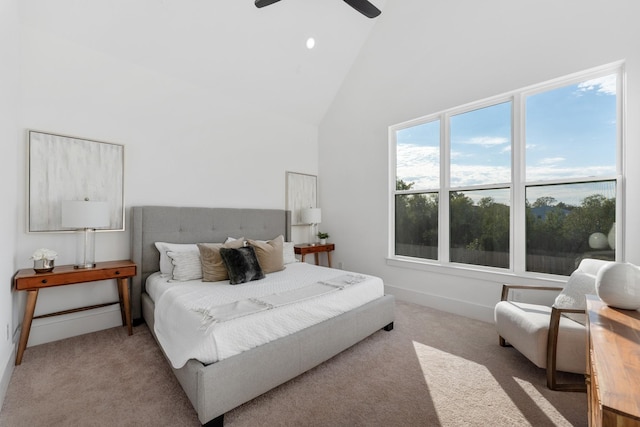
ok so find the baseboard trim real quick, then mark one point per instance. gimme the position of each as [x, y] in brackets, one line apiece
[462, 308]
[7, 372]
[70, 325]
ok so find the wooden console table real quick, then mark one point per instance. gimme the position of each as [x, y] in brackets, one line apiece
[314, 248]
[613, 365]
[30, 281]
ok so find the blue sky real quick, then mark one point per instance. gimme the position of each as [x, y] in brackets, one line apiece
[570, 133]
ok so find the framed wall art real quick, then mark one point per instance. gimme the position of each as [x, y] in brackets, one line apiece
[302, 193]
[65, 168]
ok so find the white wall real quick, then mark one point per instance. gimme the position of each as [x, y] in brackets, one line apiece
[9, 86]
[423, 57]
[181, 148]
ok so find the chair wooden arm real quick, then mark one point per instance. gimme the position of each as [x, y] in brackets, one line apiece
[552, 350]
[506, 288]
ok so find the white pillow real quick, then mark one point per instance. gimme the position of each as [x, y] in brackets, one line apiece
[288, 253]
[166, 266]
[186, 265]
[233, 239]
[573, 294]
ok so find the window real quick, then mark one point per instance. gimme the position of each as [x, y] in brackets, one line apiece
[565, 222]
[417, 185]
[527, 181]
[479, 227]
[480, 191]
[481, 146]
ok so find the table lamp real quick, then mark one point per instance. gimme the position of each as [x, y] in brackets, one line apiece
[85, 216]
[312, 216]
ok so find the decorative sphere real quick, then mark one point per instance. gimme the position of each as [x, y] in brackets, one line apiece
[618, 285]
[598, 241]
[612, 236]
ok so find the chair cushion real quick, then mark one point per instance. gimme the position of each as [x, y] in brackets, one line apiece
[526, 327]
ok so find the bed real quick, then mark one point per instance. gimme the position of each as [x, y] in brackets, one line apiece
[216, 388]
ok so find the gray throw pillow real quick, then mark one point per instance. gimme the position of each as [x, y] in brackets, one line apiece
[242, 264]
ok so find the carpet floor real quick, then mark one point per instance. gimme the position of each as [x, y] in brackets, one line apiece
[433, 369]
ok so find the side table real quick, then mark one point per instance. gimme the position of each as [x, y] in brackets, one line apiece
[314, 248]
[30, 281]
[613, 372]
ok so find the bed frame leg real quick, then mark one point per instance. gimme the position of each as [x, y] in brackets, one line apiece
[216, 422]
[389, 327]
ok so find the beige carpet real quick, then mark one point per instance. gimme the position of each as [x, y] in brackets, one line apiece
[433, 369]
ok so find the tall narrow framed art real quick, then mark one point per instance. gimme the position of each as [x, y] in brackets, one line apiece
[301, 193]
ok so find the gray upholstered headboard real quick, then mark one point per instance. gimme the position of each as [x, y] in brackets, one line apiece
[150, 224]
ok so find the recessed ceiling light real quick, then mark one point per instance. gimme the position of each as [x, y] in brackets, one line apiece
[311, 42]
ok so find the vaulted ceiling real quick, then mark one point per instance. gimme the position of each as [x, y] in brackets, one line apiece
[228, 48]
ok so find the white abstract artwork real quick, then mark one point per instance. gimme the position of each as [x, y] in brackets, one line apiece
[68, 168]
[301, 193]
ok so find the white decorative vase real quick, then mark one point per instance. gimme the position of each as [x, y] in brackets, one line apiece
[598, 241]
[43, 265]
[323, 241]
[611, 238]
[618, 285]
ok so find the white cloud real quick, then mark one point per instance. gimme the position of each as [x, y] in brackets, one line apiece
[487, 141]
[418, 164]
[421, 165]
[605, 85]
[552, 160]
[467, 175]
[549, 172]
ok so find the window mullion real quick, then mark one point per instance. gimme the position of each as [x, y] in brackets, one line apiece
[518, 210]
[443, 215]
[392, 174]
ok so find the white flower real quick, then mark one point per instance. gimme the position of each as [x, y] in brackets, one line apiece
[44, 253]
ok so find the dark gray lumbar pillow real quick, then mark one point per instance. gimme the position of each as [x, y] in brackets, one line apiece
[242, 264]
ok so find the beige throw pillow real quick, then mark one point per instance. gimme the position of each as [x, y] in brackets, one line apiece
[213, 268]
[269, 254]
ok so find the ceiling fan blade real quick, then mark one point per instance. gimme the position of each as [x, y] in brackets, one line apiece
[362, 6]
[263, 3]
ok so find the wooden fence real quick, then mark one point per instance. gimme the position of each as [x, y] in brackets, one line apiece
[561, 264]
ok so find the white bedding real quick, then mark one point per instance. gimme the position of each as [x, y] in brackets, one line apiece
[211, 321]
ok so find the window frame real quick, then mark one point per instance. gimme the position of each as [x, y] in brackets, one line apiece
[518, 184]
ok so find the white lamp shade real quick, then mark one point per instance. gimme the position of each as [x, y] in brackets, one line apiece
[84, 214]
[311, 216]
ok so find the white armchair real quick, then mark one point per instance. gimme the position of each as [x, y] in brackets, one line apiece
[552, 337]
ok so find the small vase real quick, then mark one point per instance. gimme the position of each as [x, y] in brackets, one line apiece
[612, 237]
[618, 285]
[43, 265]
[323, 241]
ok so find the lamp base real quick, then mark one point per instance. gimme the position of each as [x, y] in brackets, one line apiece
[85, 249]
[77, 267]
[314, 234]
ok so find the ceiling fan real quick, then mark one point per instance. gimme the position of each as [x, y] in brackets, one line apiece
[362, 6]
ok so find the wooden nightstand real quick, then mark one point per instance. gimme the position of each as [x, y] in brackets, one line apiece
[30, 281]
[314, 248]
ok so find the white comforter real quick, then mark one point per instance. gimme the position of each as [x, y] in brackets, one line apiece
[213, 321]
